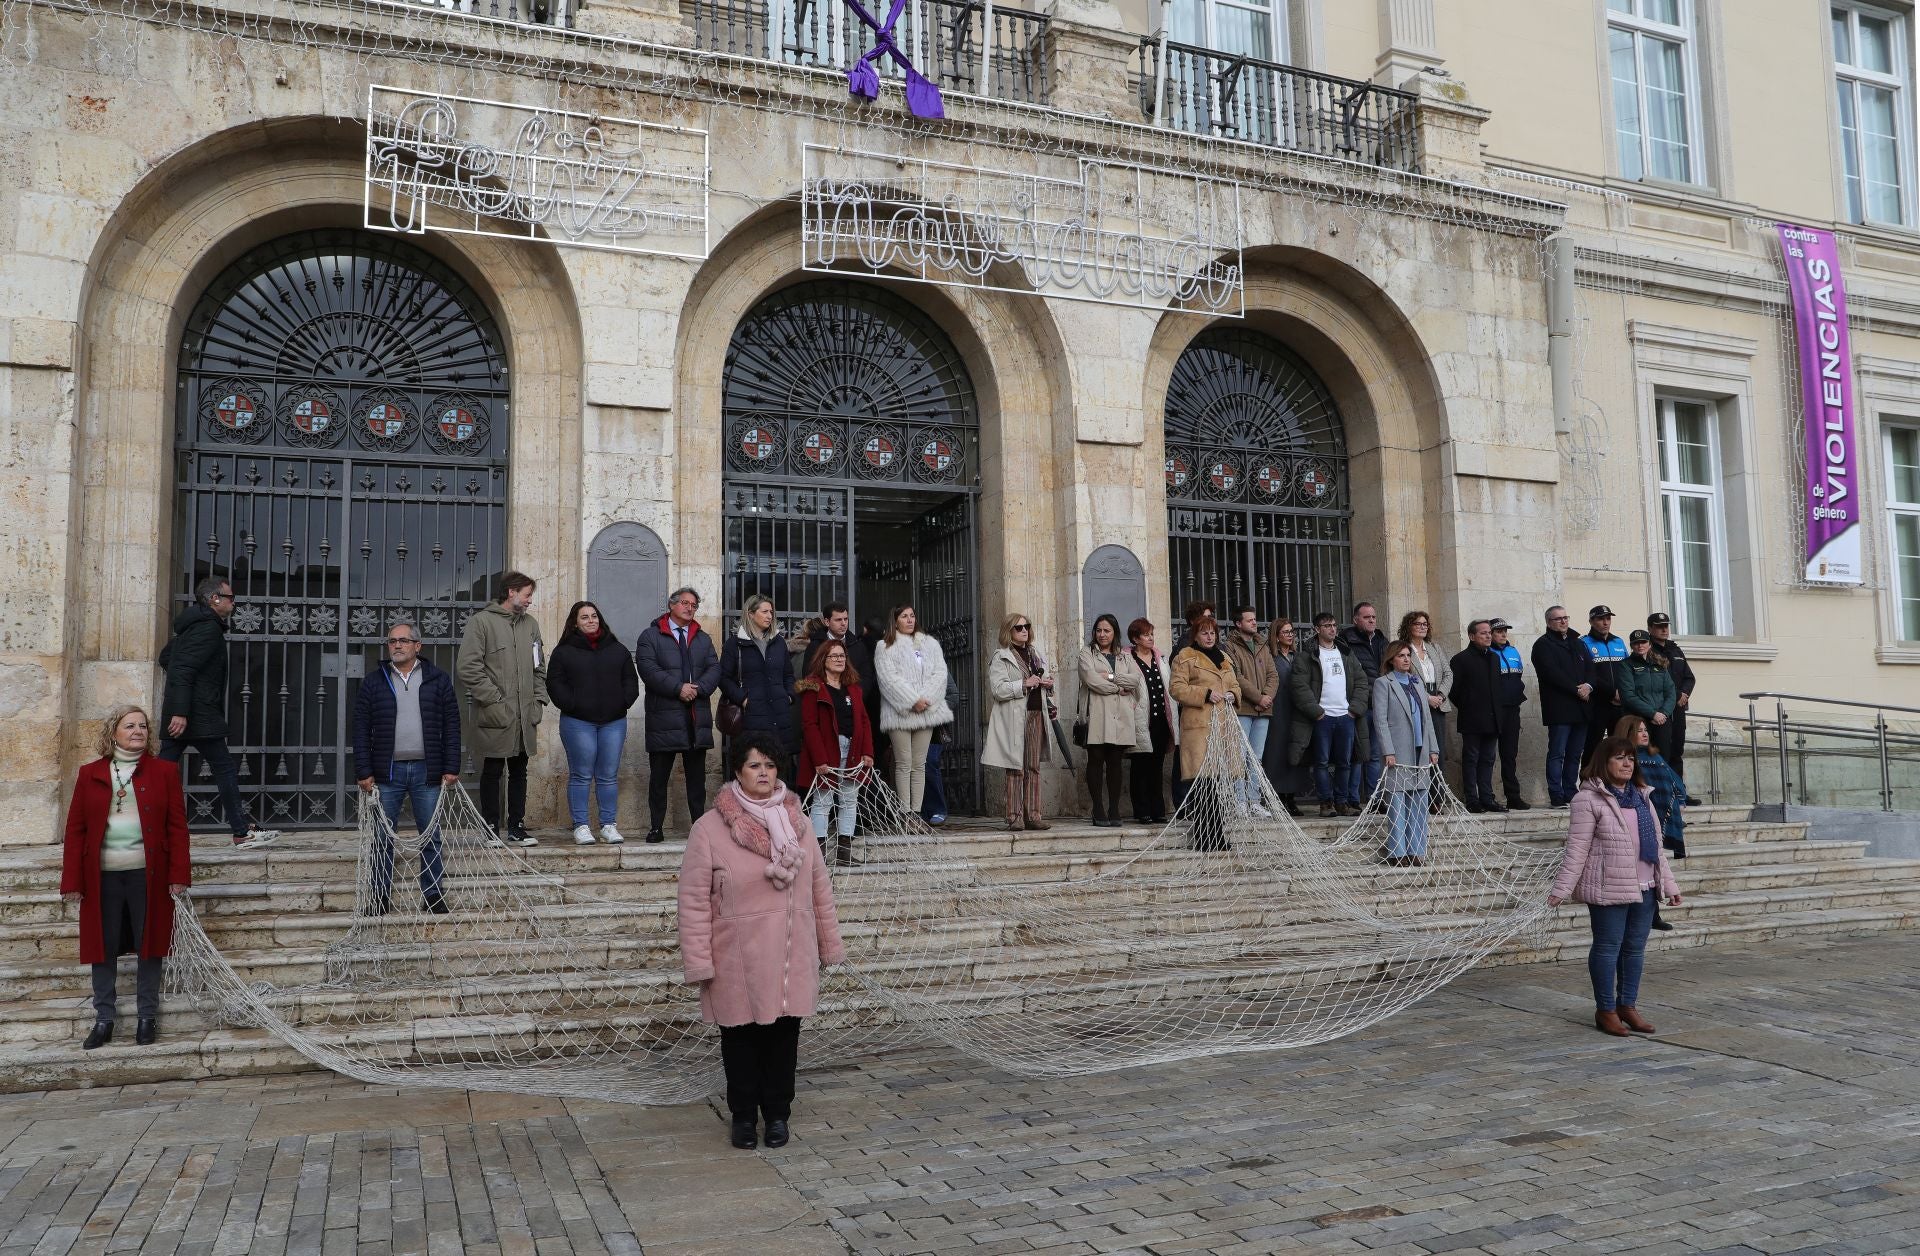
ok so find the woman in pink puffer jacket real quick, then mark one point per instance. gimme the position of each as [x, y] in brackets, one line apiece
[1614, 863]
[756, 923]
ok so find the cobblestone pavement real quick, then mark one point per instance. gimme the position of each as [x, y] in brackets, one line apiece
[1778, 1111]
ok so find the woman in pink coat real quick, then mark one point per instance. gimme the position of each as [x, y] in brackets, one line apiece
[756, 924]
[1615, 865]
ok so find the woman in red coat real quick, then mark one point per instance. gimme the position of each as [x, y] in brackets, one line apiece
[836, 743]
[126, 853]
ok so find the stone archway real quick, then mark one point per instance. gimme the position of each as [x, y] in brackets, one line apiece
[185, 223]
[1375, 370]
[1006, 343]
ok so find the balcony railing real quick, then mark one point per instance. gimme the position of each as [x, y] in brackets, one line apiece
[953, 42]
[1263, 102]
[532, 12]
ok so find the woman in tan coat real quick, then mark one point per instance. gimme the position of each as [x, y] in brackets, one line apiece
[1113, 708]
[1022, 693]
[1203, 679]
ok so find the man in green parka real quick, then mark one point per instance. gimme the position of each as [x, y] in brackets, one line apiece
[503, 671]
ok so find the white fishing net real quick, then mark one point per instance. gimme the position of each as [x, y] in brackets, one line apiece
[557, 971]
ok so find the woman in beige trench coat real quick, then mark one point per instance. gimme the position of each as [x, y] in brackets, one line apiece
[1201, 680]
[1113, 704]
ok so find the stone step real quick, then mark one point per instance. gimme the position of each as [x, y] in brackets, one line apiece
[188, 1051]
[323, 920]
[492, 950]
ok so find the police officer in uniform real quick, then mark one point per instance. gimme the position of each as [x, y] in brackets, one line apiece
[1607, 652]
[1660, 628]
[1508, 699]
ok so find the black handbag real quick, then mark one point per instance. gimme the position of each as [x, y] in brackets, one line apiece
[1080, 732]
[731, 718]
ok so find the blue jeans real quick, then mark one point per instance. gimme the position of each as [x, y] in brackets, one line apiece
[409, 782]
[1406, 822]
[1366, 774]
[1564, 743]
[1619, 950]
[1332, 749]
[593, 763]
[226, 777]
[846, 793]
[1254, 728]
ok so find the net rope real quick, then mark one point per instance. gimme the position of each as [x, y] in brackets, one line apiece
[1055, 954]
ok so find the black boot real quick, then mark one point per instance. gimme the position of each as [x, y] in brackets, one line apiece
[743, 1134]
[146, 1031]
[102, 1034]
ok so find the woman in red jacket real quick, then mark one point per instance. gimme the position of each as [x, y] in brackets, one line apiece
[126, 854]
[836, 743]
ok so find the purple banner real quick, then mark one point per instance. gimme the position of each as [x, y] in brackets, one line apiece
[1826, 383]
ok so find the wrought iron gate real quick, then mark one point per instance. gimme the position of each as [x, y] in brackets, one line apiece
[848, 414]
[1258, 501]
[341, 445]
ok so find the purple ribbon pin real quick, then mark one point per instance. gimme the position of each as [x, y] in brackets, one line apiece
[923, 95]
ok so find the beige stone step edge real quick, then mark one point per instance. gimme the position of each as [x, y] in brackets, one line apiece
[239, 1053]
[241, 934]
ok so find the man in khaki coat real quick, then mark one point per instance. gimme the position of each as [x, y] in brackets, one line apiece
[1253, 663]
[502, 669]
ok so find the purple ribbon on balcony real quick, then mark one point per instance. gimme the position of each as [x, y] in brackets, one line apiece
[923, 94]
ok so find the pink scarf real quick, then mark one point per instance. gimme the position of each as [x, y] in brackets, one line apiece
[766, 828]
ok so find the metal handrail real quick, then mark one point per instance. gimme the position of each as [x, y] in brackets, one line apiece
[1236, 96]
[1790, 741]
[1846, 702]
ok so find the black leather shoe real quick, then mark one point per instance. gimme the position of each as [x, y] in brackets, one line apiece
[743, 1136]
[1519, 804]
[102, 1034]
[655, 837]
[1662, 924]
[1493, 807]
[776, 1133]
[1474, 808]
[1695, 802]
[146, 1031]
[437, 905]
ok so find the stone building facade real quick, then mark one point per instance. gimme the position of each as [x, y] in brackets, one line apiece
[609, 421]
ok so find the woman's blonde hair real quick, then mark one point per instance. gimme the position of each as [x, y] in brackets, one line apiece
[104, 743]
[754, 603]
[1006, 629]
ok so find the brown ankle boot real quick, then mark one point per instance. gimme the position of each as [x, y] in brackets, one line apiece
[1636, 1022]
[1036, 825]
[1609, 1023]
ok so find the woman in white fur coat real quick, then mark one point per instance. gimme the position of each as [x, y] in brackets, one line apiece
[913, 700]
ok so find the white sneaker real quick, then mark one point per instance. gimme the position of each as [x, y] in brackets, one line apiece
[610, 835]
[1262, 812]
[582, 835]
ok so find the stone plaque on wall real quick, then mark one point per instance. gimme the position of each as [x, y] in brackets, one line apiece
[1113, 582]
[627, 578]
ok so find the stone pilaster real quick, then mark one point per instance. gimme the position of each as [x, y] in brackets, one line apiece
[1409, 42]
[1448, 125]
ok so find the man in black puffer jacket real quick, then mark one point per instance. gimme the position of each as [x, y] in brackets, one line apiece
[193, 707]
[1565, 669]
[1476, 705]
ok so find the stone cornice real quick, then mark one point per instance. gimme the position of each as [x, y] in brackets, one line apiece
[379, 29]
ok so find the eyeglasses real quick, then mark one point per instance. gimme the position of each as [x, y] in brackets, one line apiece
[1556, 619]
[403, 641]
[221, 597]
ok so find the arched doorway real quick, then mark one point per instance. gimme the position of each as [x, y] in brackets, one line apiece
[1258, 495]
[341, 457]
[852, 454]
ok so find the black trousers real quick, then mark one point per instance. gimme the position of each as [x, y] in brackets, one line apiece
[1510, 753]
[1477, 751]
[1600, 722]
[660, 773]
[123, 925]
[1103, 780]
[1675, 752]
[226, 776]
[760, 1062]
[1145, 772]
[516, 769]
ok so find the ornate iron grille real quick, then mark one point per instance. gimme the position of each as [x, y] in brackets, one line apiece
[848, 412]
[1258, 503]
[341, 458]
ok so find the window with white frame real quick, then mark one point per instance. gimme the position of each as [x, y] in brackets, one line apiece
[1871, 66]
[1247, 28]
[1655, 94]
[1903, 526]
[1692, 516]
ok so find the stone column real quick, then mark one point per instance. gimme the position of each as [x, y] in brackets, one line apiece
[1448, 125]
[1089, 58]
[1408, 41]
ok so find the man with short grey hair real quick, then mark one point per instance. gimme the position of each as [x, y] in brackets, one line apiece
[406, 743]
[193, 706]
